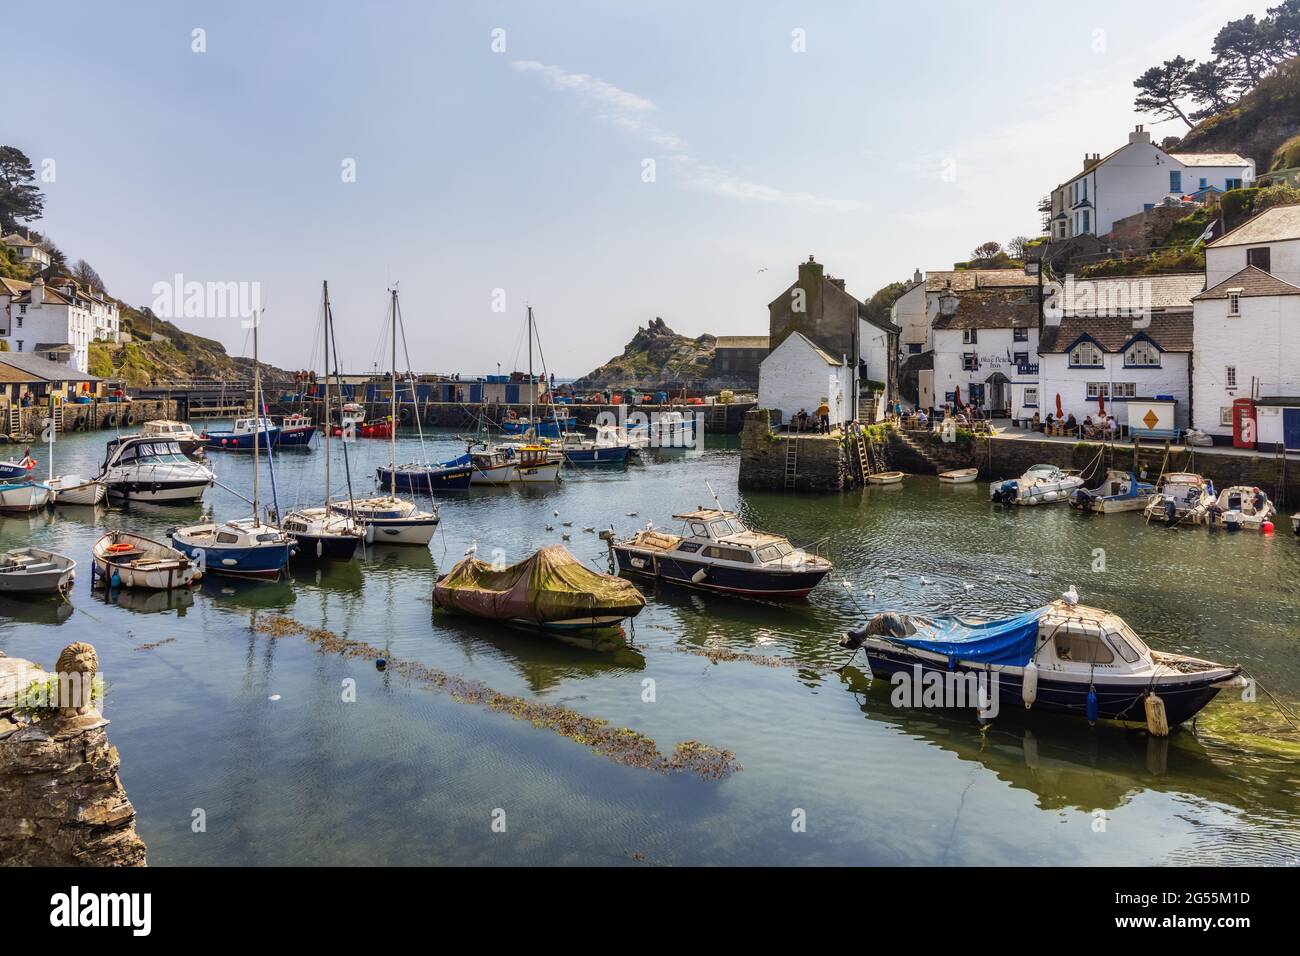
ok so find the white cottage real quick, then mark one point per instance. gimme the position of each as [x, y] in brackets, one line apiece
[985, 352]
[798, 376]
[1136, 177]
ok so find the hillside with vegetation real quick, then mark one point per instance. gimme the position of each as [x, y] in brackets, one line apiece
[656, 356]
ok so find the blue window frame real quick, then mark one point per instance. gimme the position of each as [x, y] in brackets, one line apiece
[913, 348]
[1175, 180]
[1204, 182]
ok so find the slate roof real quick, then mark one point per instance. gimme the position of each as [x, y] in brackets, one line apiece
[1271, 225]
[35, 368]
[1250, 281]
[1169, 293]
[812, 345]
[1210, 159]
[742, 342]
[991, 309]
[1170, 332]
[963, 280]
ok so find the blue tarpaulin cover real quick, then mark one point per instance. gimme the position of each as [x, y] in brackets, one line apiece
[1010, 641]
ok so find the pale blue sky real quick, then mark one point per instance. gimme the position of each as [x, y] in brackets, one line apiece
[522, 170]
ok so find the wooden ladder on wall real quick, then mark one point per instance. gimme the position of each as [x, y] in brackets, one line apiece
[1279, 476]
[791, 461]
[15, 419]
[860, 457]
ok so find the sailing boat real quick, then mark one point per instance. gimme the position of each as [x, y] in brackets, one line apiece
[241, 547]
[322, 535]
[387, 518]
[71, 489]
[529, 462]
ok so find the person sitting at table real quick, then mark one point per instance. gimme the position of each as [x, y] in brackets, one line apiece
[1071, 423]
[921, 418]
[1036, 423]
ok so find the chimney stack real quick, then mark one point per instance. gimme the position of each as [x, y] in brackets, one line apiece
[38, 292]
[1139, 135]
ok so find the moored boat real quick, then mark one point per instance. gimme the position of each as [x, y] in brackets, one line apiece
[24, 496]
[323, 534]
[1063, 657]
[452, 475]
[551, 590]
[124, 559]
[1120, 491]
[716, 552]
[33, 571]
[1183, 497]
[295, 431]
[17, 470]
[140, 468]
[958, 476]
[75, 490]
[390, 520]
[885, 478]
[179, 432]
[1040, 485]
[246, 433]
[239, 548]
[1239, 507]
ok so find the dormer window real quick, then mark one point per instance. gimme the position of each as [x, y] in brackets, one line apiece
[1234, 302]
[969, 336]
[1085, 355]
[1142, 355]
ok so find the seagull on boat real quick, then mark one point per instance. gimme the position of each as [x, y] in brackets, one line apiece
[1071, 596]
[472, 549]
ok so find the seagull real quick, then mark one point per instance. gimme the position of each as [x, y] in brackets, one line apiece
[925, 580]
[556, 513]
[1033, 573]
[472, 549]
[567, 524]
[631, 514]
[968, 586]
[550, 527]
[564, 536]
[1071, 596]
[871, 595]
[891, 574]
[589, 529]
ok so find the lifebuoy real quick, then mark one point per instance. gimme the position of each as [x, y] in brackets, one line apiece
[123, 546]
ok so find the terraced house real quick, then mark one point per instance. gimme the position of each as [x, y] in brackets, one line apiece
[57, 320]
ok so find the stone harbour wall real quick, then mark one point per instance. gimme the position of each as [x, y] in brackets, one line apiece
[821, 464]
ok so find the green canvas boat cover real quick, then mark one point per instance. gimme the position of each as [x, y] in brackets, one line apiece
[552, 585]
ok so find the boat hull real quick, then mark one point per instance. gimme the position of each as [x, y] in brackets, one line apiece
[86, 494]
[726, 580]
[1183, 699]
[412, 531]
[426, 481]
[615, 455]
[325, 547]
[265, 563]
[240, 441]
[18, 499]
[166, 492]
[296, 436]
[152, 565]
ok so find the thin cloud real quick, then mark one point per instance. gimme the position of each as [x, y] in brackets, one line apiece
[635, 114]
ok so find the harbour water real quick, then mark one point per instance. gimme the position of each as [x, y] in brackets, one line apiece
[256, 732]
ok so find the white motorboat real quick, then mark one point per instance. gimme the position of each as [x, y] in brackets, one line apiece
[1121, 491]
[124, 559]
[1040, 485]
[179, 432]
[23, 496]
[509, 464]
[28, 571]
[1239, 507]
[1183, 497]
[958, 476]
[139, 468]
[388, 519]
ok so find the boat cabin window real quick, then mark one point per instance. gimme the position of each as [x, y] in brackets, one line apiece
[1117, 641]
[723, 527]
[225, 537]
[730, 554]
[1079, 647]
[770, 553]
[266, 537]
[699, 529]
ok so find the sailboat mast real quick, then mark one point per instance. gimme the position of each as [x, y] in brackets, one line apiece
[532, 388]
[392, 429]
[257, 416]
[325, 420]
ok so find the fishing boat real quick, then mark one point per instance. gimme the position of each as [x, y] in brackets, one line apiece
[885, 478]
[551, 590]
[388, 519]
[579, 450]
[33, 571]
[379, 428]
[1119, 491]
[295, 431]
[140, 468]
[664, 430]
[75, 490]
[23, 496]
[717, 552]
[1183, 497]
[319, 533]
[17, 470]
[179, 432]
[247, 433]
[1240, 507]
[1040, 485]
[560, 423]
[242, 547]
[1064, 657]
[453, 475]
[958, 476]
[124, 559]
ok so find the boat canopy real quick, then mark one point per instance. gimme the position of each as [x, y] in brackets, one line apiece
[551, 585]
[1010, 641]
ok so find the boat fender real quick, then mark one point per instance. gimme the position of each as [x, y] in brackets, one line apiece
[699, 576]
[1092, 705]
[1029, 685]
[1157, 721]
[115, 581]
[381, 664]
[320, 547]
[128, 419]
[370, 534]
[1266, 528]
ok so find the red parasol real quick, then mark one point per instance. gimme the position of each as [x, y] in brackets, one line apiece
[1101, 404]
[956, 397]
[1060, 412]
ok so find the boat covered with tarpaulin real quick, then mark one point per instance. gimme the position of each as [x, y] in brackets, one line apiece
[551, 589]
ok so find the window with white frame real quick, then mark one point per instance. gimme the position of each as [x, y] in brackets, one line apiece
[970, 362]
[1123, 389]
[1225, 414]
[1142, 355]
[1098, 390]
[1085, 355]
[1230, 376]
[1234, 302]
[1031, 396]
[969, 336]
[1020, 334]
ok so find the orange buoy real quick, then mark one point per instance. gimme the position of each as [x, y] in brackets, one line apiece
[1266, 527]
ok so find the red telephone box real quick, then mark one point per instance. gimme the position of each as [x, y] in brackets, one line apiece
[1244, 433]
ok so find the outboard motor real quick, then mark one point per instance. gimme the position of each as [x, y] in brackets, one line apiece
[1006, 492]
[887, 624]
[1081, 498]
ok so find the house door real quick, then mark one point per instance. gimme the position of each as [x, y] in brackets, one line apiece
[1291, 428]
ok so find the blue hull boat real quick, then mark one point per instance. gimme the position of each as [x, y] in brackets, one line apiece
[16, 470]
[236, 549]
[239, 441]
[612, 455]
[547, 428]
[427, 479]
[296, 437]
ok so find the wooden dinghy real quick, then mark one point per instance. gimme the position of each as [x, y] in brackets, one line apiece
[886, 478]
[959, 476]
[123, 559]
[31, 571]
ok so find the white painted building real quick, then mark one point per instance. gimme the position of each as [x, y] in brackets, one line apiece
[915, 310]
[27, 253]
[1136, 177]
[985, 346]
[1269, 241]
[798, 376]
[41, 319]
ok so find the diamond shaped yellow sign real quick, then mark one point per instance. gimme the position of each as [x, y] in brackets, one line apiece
[1151, 419]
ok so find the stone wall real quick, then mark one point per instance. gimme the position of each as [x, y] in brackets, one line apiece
[63, 804]
[1141, 231]
[821, 464]
[96, 415]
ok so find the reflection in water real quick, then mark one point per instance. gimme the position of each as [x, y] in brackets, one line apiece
[38, 609]
[146, 601]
